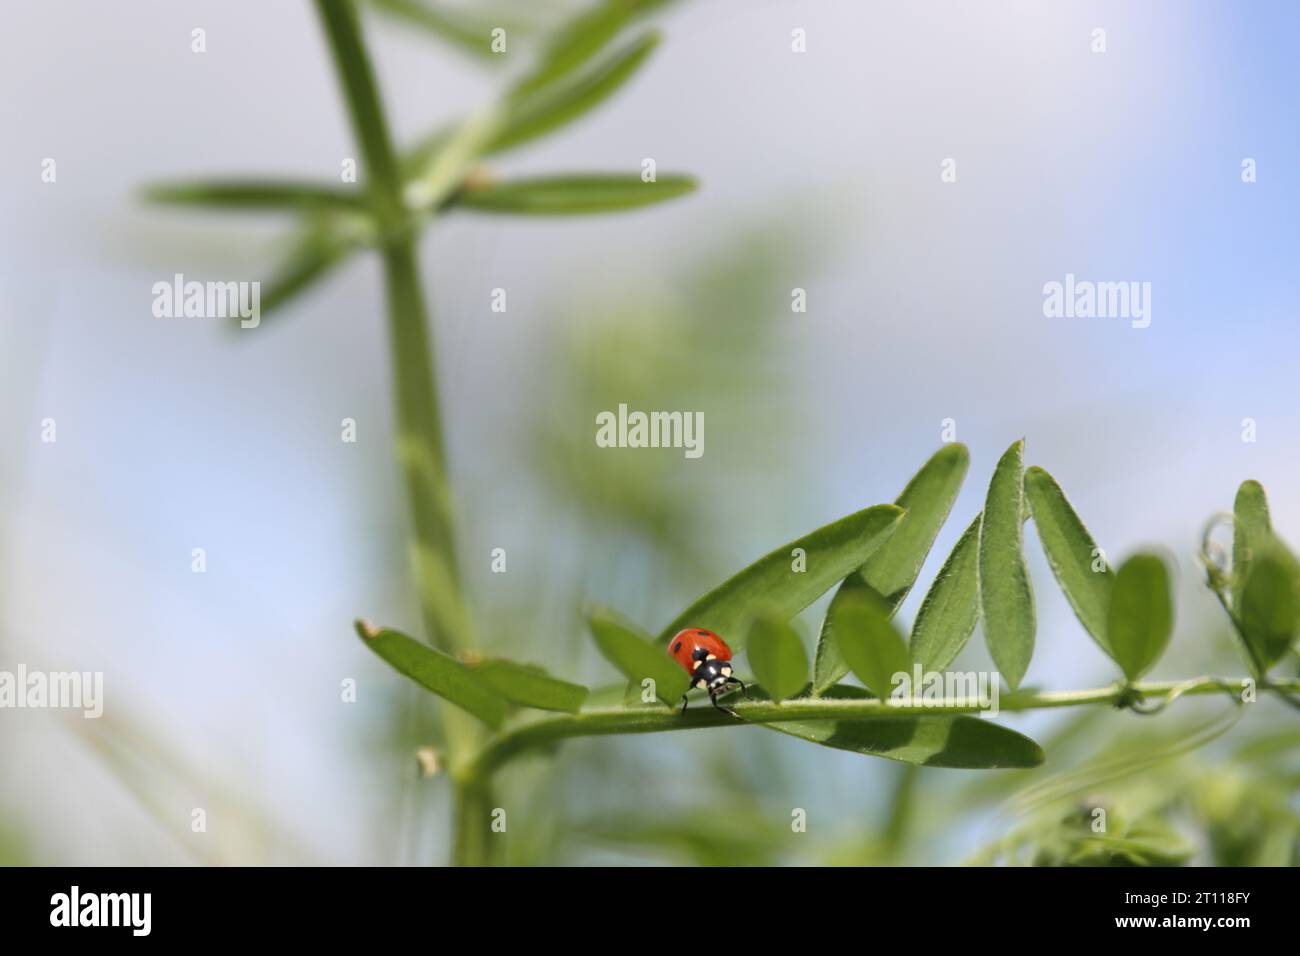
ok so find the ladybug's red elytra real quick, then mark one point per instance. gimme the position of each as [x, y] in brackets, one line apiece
[707, 658]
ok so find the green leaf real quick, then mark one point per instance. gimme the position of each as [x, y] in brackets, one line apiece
[1072, 554]
[530, 686]
[317, 255]
[257, 195]
[1006, 597]
[951, 607]
[1141, 614]
[636, 655]
[868, 642]
[435, 671]
[893, 569]
[772, 583]
[526, 117]
[575, 194]
[1270, 604]
[577, 41]
[951, 740]
[553, 107]
[468, 33]
[1250, 529]
[777, 656]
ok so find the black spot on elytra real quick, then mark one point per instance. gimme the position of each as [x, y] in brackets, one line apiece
[677, 647]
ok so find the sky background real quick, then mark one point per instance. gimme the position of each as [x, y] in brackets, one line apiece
[924, 303]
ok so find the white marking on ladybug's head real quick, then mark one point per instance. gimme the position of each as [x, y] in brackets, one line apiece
[712, 657]
[726, 670]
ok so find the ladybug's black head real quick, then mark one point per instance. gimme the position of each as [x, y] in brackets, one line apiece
[712, 675]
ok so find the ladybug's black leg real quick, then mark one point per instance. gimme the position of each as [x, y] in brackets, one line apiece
[726, 710]
[744, 689]
[685, 701]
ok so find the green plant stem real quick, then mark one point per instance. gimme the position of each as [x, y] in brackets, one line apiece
[621, 721]
[473, 823]
[419, 428]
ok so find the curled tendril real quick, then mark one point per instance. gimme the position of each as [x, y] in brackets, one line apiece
[1134, 700]
[1214, 555]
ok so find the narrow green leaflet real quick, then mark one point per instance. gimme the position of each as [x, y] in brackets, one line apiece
[257, 195]
[777, 656]
[1077, 562]
[868, 642]
[1270, 604]
[1141, 615]
[636, 655]
[530, 115]
[556, 106]
[469, 33]
[530, 686]
[577, 194]
[1250, 528]
[584, 36]
[951, 740]
[951, 607]
[893, 569]
[828, 663]
[436, 671]
[1006, 598]
[790, 578]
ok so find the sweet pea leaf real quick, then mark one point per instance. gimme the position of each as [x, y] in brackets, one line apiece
[1141, 615]
[436, 671]
[774, 584]
[893, 569]
[1006, 597]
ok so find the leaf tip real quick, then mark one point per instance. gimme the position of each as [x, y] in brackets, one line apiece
[365, 630]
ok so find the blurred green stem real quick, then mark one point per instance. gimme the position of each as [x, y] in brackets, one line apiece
[419, 427]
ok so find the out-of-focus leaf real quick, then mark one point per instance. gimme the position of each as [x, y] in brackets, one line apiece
[584, 36]
[575, 194]
[826, 555]
[1270, 603]
[951, 607]
[1006, 597]
[465, 31]
[636, 655]
[530, 686]
[1077, 562]
[777, 656]
[944, 740]
[435, 671]
[1141, 614]
[893, 569]
[442, 172]
[550, 108]
[1250, 529]
[868, 642]
[317, 255]
[258, 195]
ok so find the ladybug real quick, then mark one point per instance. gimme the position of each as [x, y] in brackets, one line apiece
[707, 658]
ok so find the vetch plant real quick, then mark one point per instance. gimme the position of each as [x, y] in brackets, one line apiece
[500, 709]
[1129, 614]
